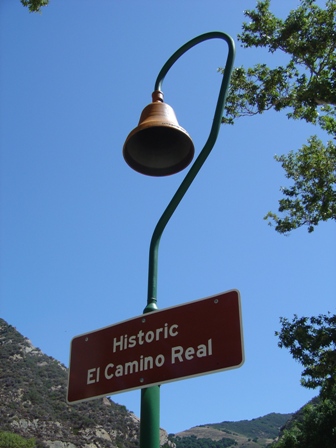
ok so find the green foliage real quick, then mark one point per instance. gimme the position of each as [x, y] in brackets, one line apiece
[258, 431]
[262, 427]
[312, 341]
[305, 87]
[194, 442]
[312, 198]
[34, 5]
[10, 440]
[316, 429]
[307, 37]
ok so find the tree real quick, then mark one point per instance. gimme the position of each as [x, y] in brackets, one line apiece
[312, 341]
[306, 88]
[312, 198]
[317, 428]
[34, 5]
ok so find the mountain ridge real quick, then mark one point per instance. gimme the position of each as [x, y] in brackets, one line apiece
[33, 390]
[260, 431]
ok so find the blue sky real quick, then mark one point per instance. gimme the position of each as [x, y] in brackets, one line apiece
[76, 221]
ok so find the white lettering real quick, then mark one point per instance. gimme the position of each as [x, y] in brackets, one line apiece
[177, 353]
[148, 364]
[149, 336]
[159, 360]
[117, 344]
[124, 342]
[108, 376]
[129, 368]
[140, 337]
[209, 347]
[189, 353]
[130, 365]
[90, 379]
[201, 351]
[158, 331]
[132, 341]
[171, 332]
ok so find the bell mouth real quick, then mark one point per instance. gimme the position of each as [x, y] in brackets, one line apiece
[158, 146]
[159, 150]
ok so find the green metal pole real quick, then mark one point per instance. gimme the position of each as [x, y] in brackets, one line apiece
[150, 397]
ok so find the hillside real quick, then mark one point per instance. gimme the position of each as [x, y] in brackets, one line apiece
[33, 405]
[258, 432]
[32, 393]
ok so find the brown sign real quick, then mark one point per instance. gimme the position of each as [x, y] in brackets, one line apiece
[188, 340]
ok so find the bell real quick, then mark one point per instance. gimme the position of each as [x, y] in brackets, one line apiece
[158, 146]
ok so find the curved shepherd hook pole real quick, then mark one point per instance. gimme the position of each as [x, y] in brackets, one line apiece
[150, 397]
[155, 241]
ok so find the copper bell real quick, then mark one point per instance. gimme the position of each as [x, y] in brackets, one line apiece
[158, 146]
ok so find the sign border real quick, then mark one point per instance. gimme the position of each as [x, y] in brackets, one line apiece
[158, 383]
